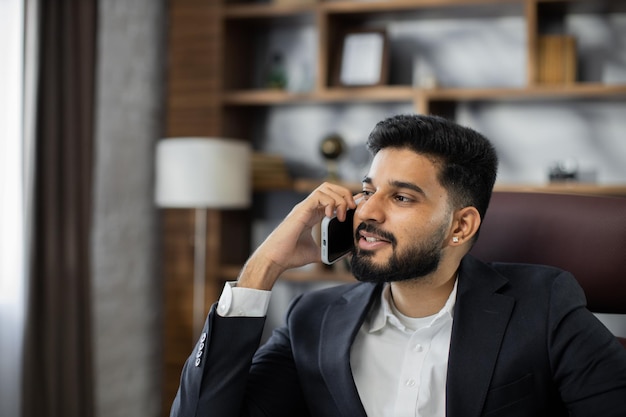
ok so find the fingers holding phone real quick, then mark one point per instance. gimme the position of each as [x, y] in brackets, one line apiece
[292, 243]
[334, 199]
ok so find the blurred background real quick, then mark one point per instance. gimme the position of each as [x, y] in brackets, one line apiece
[97, 278]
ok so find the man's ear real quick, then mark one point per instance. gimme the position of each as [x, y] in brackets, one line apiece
[465, 225]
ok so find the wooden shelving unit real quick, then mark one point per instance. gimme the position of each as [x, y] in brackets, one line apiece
[401, 93]
[305, 186]
[213, 90]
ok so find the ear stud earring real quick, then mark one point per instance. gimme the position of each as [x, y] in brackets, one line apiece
[455, 239]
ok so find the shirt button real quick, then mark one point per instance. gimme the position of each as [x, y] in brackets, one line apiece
[410, 382]
[418, 348]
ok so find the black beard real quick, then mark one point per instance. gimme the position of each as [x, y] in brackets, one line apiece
[417, 261]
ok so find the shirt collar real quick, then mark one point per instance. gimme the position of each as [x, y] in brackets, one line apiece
[383, 313]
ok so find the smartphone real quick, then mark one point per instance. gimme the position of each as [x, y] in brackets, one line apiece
[337, 238]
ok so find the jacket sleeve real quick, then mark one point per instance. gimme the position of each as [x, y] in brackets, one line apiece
[228, 375]
[588, 363]
[214, 377]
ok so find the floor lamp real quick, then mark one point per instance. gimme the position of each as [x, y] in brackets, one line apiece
[202, 173]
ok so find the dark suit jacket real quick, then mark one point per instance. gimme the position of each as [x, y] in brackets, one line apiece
[523, 344]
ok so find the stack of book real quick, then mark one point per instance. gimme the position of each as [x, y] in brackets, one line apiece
[269, 172]
[556, 59]
[293, 2]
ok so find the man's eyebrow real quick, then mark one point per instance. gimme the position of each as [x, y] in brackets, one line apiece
[399, 184]
[408, 185]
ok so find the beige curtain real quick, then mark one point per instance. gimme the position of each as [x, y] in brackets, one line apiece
[57, 379]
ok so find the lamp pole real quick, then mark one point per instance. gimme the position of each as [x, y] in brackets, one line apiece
[199, 271]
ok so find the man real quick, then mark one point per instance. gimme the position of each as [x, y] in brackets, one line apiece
[429, 330]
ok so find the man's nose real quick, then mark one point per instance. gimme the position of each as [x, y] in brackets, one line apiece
[371, 209]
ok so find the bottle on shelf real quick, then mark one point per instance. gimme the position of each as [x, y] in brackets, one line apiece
[277, 74]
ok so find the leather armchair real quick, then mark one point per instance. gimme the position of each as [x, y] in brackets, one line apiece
[585, 235]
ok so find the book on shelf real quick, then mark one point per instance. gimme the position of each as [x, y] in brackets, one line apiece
[269, 171]
[292, 2]
[556, 59]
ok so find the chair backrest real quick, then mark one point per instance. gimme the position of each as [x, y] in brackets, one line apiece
[585, 235]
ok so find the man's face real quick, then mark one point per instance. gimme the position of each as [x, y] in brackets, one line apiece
[403, 221]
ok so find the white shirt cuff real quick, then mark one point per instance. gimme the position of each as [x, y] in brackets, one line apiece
[242, 302]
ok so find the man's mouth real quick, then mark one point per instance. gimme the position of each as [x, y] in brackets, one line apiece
[369, 243]
[370, 239]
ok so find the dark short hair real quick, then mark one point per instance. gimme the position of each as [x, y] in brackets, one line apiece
[468, 161]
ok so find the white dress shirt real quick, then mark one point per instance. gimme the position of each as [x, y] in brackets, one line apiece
[399, 363]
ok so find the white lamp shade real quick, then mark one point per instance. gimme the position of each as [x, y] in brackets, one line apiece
[203, 172]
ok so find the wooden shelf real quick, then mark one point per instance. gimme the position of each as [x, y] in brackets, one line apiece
[566, 188]
[329, 18]
[408, 94]
[255, 11]
[330, 95]
[565, 91]
[305, 186]
[351, 7]
[269, 10]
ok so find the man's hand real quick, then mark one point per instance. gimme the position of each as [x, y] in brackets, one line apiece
[291, 244]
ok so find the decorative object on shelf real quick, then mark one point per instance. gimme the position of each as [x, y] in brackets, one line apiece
[423, 74]
[332, 147]
[202, 173]
[564, 170]
[556, 58]
[362, 58]
[277, 73]
[301, 78]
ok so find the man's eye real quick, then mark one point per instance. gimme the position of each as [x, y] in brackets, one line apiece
[366, 193]
[403, 199]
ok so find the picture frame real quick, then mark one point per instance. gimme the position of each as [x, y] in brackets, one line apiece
[362, 58]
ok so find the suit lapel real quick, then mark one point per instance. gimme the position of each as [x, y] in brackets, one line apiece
[341, 322]
[480, 319]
